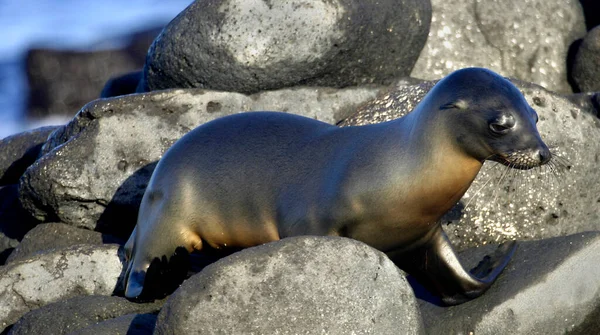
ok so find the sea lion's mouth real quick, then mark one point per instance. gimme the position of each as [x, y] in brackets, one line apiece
[520, 160]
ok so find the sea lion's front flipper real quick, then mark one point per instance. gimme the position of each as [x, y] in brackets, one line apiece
[436, 266]
[491, 265]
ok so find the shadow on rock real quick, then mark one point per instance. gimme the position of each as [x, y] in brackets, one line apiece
[120, 216]
[19, 151]
[18, 167]
[165, 275]
[573, 48]
[15, 221]
[422, 293]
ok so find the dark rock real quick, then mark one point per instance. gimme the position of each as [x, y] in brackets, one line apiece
[57, 236]
[586, 69]
[102, 160]
[522, 39]
[550, 287]
[556, 200]
[130, 324]
[15, 221]
[76, 314]
[247, 47]
[121, 85]
[62, 81]
[295, 286]
[19, 151]
[591, 8]
[57, 275]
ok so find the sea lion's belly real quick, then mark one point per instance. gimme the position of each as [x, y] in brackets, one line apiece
[390, 228]
[255, 186]
[241, 233]
[295, 179]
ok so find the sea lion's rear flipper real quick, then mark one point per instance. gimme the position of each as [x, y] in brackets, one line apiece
[436, 266]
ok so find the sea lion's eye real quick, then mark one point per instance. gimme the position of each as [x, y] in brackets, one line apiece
[502, 124]
[499, 128]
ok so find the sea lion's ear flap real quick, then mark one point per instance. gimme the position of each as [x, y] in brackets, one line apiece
[458, 104]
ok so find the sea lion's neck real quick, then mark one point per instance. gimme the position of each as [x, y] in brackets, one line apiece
[425, 130]
[444, 180]
[440, 171]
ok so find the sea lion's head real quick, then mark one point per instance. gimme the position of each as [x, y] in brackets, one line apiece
[490, 118]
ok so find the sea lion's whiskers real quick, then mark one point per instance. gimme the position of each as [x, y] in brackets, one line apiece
[490, 178]
[556, 167]
[560, 163]
[513, 177]
[533, 176]
[515, 181]
[544, 173]
[499, 185]
[553, 170]
[512, 183]
[506, 171]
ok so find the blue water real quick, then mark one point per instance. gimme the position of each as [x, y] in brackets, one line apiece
[64, 24]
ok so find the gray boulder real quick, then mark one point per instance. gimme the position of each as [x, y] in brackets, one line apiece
[250, 46]
[550, 287]
[301, 285]
[528, 40]
[130, 324]
[19, 151]
[76, 314]
[55, 276]
[586, 69]
[57, 235]
[555, 200]
[96, 168]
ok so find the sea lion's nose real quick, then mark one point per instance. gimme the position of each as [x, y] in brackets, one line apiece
[544, 155]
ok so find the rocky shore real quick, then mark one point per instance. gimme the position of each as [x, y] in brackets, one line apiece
[69, 195]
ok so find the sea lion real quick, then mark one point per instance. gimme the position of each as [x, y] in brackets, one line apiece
[257, 177]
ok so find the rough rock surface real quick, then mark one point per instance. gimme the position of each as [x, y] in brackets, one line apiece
[55, 276]
[250, 45]
[77, 313]
[550, 287]
[130, 324]
[96, 176]
[586, 69]
[57, 235]
[528, 39]
[19, 151]
[533, 204]
[15, 221]
[302, 285]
